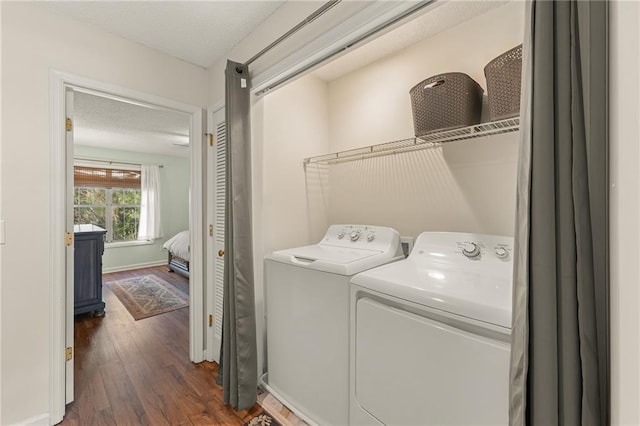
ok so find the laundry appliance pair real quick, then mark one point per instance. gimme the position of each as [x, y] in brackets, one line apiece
[357, 334]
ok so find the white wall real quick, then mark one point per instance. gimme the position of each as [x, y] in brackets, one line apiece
[464, 186]
[34, 42]
[624, 83]
[296, 126]
[287, 125]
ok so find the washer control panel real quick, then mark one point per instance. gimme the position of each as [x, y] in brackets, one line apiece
[362, 236]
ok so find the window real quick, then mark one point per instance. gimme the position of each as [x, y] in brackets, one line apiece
[109, 198]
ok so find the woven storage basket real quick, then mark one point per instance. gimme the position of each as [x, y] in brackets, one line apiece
[504, 77]
[445, 101]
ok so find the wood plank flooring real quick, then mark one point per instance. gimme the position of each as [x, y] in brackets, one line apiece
[131, 372]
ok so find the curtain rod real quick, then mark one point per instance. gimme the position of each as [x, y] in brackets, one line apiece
[418, 6]
[315, 15]
[110, 162]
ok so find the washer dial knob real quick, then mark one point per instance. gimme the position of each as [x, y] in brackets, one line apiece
[471, 250]
[502, 252]
[341, 235]
[354, 235]
[371, 236]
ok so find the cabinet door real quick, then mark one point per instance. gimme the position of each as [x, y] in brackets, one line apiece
[87, 269]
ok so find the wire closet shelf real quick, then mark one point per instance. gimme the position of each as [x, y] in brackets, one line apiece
[431, 140]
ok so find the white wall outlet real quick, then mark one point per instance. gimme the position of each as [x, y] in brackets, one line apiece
[407, 245]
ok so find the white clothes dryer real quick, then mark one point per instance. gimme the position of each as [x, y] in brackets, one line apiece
[307, 317]
[430, 335]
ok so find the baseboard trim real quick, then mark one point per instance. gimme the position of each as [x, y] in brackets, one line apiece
[40, 420]
[134, 266]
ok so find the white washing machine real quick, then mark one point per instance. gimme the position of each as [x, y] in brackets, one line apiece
[430, 335]
[307, 317]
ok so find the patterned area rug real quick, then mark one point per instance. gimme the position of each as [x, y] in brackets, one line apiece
[148, 295]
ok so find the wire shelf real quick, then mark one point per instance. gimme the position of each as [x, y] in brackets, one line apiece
[431, 140]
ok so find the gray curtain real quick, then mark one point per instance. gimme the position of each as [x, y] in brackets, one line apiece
[559, 358]
[238, 371]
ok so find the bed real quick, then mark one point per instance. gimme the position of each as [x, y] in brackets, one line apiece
[179, 253]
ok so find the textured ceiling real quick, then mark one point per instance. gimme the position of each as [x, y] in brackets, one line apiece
[199, 32]
[439, 16]
[107, 123]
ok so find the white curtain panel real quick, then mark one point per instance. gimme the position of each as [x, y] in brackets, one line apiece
[150, 226]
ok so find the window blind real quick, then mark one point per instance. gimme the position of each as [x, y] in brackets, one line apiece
[105, 177]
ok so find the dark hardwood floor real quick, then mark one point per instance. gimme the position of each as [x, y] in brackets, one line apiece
[131, 372]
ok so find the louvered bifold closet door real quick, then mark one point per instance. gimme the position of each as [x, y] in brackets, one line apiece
[220, 181]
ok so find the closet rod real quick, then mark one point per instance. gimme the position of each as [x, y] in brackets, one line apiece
[315, 15]
[395, 21]
[110, 162]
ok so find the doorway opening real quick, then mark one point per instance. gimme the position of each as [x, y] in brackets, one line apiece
[122, 226]
[130, 195]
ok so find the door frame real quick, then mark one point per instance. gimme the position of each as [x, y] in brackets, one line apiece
[58, 83]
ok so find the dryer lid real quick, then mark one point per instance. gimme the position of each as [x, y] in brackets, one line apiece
[345, 250]
[475, 296]
[336, 260]
[327, 253]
